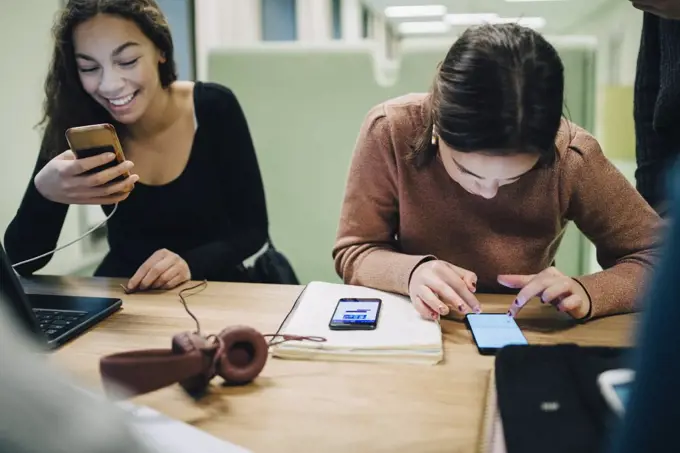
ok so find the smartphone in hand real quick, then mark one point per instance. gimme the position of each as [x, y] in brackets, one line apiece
[88, 141]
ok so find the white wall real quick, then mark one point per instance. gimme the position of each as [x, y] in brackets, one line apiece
[314, 20]
[618, 40]
[234, 23]
[619, 36]
[222, 23]
[25, 48]
[351, 20]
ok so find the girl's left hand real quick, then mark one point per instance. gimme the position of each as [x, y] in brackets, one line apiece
[553, 287]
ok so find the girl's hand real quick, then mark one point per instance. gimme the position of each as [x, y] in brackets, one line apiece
[64, 180]
[163, 270]
[553, 287]
[439, 288]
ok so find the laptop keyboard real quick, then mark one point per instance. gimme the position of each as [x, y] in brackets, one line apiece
[54, 322]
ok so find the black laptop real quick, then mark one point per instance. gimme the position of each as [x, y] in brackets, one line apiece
[57, 319]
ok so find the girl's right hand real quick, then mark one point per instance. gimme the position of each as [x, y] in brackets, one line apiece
[439, 288]
[63, 180]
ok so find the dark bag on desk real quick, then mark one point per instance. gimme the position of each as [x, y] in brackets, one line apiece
[273, 267]
[549, 399]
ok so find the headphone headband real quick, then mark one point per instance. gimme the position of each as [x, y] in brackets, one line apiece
[150, 369]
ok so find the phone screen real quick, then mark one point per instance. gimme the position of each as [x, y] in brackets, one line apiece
[494, 331]
[355, 314]
[616, 386]
[623, 391]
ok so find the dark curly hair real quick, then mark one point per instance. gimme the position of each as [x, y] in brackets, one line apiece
[66, 103]
[499, 90]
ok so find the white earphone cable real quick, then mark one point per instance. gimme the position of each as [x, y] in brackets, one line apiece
[61, 247]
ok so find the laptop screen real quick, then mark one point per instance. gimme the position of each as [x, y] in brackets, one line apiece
[12, 294]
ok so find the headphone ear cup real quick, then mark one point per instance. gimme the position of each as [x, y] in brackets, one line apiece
[245, 354]
[191, 343]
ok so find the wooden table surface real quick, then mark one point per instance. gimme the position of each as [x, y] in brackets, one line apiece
[310, 405]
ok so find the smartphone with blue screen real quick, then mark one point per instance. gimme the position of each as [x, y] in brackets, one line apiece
[491, 332]
[355, 314]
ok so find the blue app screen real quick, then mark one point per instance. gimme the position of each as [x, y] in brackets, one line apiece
[356, 311]
[623, 392]
[495, 330]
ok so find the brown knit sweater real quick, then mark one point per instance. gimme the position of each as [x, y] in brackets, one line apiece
[395, 215]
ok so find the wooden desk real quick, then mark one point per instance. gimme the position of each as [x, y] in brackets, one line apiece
[314, 406]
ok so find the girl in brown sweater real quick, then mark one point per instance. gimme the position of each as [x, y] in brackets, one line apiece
[470, 188]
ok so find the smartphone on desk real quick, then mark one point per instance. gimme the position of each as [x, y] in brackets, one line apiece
[491, 332]
[355, 314]
[88, 141]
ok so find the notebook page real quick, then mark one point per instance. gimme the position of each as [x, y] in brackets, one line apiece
[163, 434]
[399, 324]
[167, 435]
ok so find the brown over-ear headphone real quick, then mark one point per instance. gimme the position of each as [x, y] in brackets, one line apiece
[237, 354]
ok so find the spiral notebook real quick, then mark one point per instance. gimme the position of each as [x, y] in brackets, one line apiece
[401, 334]
[492, 439]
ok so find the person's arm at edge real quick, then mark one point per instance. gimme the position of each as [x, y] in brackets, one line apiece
[366, 251]
[623, 227]
[35, 228]
[651, 150]
[246, 204]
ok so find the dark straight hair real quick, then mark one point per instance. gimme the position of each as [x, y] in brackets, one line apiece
[66, 102]
[499, 91]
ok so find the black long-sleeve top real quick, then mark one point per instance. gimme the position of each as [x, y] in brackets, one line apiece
[657, 106]
[213, 215]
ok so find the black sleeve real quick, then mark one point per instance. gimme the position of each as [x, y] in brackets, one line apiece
[245, 202]
[653, 412]
[651, 150]
[35, 228]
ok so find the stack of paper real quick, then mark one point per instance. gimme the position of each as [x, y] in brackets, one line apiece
[401, 334]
